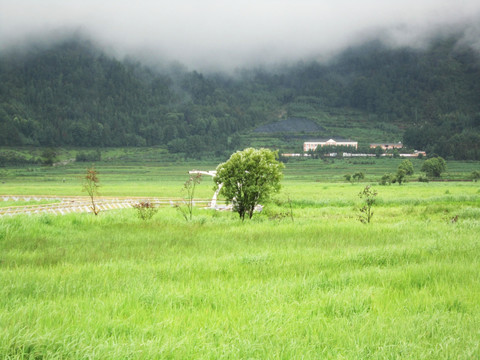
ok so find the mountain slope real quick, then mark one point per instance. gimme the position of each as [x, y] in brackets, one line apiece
[72, 94]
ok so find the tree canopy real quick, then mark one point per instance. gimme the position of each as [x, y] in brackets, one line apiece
[249, 177]
[407, 166]
[434, 167]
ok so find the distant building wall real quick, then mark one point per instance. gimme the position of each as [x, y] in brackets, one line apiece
[387, 146]
[312, 145]
[295, 155]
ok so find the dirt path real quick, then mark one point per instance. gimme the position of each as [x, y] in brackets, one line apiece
[69, 204]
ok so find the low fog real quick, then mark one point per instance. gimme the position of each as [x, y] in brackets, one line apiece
[223, 35]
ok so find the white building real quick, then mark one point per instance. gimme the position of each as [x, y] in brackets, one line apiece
[312, 145]
[387, 146]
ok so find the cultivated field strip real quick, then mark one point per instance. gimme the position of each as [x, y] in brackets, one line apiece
[69, 204]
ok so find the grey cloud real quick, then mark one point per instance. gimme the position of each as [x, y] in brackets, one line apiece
[214, 33]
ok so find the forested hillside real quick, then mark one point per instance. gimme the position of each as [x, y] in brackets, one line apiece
[73, 94]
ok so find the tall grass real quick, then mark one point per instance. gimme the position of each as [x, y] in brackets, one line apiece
[323, 286]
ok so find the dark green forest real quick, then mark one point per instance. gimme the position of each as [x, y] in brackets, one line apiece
[74, 94]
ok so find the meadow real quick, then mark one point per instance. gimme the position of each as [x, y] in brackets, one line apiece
[304, 279]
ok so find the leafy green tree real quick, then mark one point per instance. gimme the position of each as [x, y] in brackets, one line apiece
[400, 176]
[378, 151]
[434, 167]
[407, 166]
[48, 156]
[249, 177]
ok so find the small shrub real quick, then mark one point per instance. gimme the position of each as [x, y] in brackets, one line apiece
[278, 215]
[451, 219]
[366, 212]
[423, 179]
[88, 156]
[145, 210]
[91, 185]
[386, 179]
[475, 175]
[188, 202]
[358, 176]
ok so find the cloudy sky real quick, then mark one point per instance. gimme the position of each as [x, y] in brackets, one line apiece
[229, 33]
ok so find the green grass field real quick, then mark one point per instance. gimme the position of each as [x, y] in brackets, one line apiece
[324, 285]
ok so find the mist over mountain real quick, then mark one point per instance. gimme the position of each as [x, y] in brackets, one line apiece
[213, 35]
[71, 92]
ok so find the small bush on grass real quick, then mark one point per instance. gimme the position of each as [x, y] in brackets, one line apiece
[475, 175]
[188, 202]
[91, 183]
[358, 176]
[369, 197]
[145, 210]
[386, 179]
